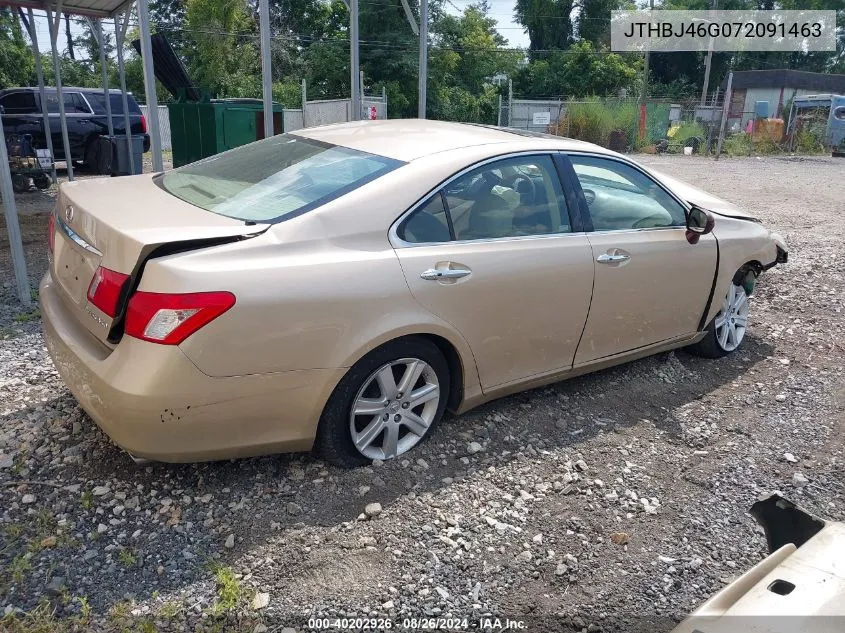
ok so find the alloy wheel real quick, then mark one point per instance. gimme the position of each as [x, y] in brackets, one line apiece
[394, 408]
[732, 320]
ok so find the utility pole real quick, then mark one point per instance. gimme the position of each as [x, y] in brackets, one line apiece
[726, 108]
[423, 59]
[708, 62]
[644, 93]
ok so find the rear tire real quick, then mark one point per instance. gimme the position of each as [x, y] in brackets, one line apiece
[725, 333]
[389, 421]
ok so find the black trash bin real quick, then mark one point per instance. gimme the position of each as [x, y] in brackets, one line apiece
[121, 165]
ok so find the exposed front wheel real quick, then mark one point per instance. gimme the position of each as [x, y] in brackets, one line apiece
[727, 330]
[386, 404]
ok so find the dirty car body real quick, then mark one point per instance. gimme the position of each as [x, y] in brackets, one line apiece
[347, 284]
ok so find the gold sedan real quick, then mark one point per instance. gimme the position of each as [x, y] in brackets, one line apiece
[339, 288]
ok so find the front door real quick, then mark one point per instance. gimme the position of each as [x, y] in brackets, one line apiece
[651, 285]
[494, 254]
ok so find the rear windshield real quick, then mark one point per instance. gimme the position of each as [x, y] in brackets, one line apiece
[274, 179]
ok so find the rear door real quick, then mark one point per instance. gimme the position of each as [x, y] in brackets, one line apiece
[651, 285]
[496, 254]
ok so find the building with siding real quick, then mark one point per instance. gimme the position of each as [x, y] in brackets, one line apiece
[778, 88]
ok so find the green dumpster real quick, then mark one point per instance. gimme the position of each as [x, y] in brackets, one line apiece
[204, 128]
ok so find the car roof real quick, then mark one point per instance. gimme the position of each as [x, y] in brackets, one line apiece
[409, 139]
[52, 89]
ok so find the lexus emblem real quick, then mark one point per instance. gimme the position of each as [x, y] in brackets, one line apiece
[69, 213]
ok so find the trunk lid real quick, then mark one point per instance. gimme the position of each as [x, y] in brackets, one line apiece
[117, 223]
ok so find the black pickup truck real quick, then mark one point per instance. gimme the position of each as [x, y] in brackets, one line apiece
[85, 111]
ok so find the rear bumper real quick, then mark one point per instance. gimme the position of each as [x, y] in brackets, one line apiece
[156, 404]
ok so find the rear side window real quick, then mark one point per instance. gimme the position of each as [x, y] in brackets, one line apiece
[74, 103]
[98, 102]
[18, 103]
[276, 178]
[429, 223]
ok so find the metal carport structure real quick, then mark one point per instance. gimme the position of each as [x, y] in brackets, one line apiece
[119, 10]
[96, 11]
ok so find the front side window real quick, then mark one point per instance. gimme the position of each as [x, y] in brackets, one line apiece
[274, 179]
[621, 197]
[511, 197]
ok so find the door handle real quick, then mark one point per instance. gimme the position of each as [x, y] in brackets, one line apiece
[435, 274]
[605, 258]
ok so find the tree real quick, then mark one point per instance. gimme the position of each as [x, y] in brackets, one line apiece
[16, 60]
[593, 22]
[224, 57]
[468, 50]
[547, 22]
[580, 71]
[69, 37]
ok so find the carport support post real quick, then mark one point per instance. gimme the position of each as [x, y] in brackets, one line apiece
[57, 69]
[150, 85]
[42, 94]
[12, 227]
[266, 69]
[355, 114]
[423, 78]
[304, 101]
[101, 41]
[119, 38]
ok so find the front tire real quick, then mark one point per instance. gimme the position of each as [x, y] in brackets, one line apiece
[385, 405]
[726, 331]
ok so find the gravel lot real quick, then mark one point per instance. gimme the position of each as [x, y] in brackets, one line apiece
[612, 502]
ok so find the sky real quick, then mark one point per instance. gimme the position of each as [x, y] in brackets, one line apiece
[500, 10]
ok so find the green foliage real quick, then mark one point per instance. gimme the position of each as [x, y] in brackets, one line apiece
[737, 145]
[687, 130]
[580, 71]
[26, 317]
[126, 558]
[224, 56]
[19, 567]
[17, 64]
[594, 120]
[231, 594]
[547, 22]
[809, 142]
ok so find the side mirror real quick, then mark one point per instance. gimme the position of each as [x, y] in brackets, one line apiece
[699, 222]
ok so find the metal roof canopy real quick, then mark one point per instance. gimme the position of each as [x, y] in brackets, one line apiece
[97, 10]
[84, 8]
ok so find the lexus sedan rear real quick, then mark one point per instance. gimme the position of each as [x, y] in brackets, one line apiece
[341, 287]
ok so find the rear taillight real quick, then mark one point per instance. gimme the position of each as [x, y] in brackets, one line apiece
[171, 318]
[51, 233]
[143, 124]
[104, 289]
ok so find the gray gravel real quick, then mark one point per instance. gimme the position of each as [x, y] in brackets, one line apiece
[612, 502]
